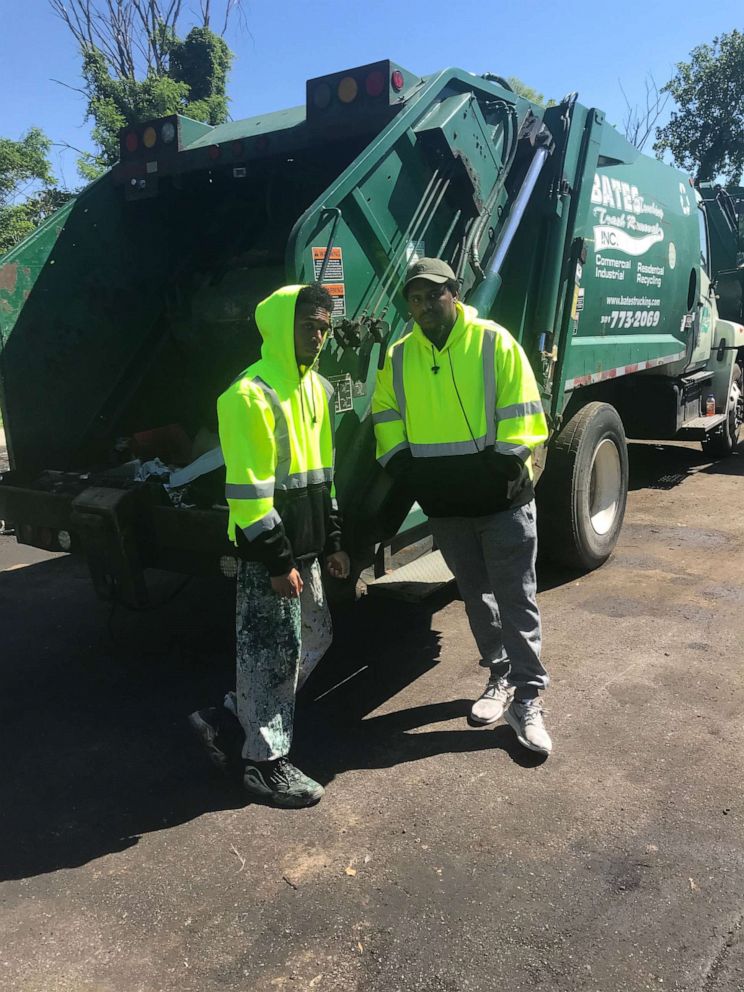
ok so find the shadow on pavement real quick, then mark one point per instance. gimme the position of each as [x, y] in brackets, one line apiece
[665, 466]
[659, 466]
[394, 643]
[94, 742]
[733, 465]
[330, 746]
[96, 747]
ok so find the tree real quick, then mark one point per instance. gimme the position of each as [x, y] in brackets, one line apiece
[28, 190]
[639, 122]
[522, 89]
[135, 66]
[705, 135]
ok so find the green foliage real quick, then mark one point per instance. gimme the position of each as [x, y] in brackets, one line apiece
[193, 84]
[21, 219]
[705, 135]
[23, 162]
[528, 92]
[28, 193]
[202, 62]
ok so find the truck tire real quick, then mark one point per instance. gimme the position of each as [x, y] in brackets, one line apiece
[584, 488]
[722, 443]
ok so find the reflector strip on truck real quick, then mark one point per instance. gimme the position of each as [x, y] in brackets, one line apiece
[587, 380]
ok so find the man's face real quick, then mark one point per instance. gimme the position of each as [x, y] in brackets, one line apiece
[311, 324]
[432, 306]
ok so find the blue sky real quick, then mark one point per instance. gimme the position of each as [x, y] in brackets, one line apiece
[555, 47]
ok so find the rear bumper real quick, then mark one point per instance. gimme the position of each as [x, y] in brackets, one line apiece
[119, 532]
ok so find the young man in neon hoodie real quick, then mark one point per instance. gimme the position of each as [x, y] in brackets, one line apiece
[276, 433]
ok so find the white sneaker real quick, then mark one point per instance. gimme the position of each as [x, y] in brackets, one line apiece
[526, 719]
[491, 705]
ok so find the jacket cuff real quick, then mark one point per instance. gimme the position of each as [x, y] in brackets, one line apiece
[272, 549]
[333, 534]
[399, 465]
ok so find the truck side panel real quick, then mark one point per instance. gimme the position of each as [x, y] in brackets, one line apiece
[637, 269]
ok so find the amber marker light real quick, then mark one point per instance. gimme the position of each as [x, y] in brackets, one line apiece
[348, 89]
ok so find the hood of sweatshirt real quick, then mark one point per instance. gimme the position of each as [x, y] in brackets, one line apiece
[275, 320]
[465, 314]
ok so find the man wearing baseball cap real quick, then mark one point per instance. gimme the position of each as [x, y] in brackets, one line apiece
[457, 416]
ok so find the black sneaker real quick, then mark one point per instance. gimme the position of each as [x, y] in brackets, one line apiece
[221, 736]
[280, 783]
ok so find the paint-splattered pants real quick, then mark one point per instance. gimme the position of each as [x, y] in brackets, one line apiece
[279, 642]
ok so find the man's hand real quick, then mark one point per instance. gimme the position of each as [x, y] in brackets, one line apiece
[338, 565]
[287, 586]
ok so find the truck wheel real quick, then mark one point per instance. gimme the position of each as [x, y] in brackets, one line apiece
[584, 488]
[722, 443]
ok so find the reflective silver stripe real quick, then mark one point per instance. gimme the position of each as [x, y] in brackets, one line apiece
[448, 448]
[246, 490]
[267, 522]
[330, 392]
[317, 475]
[281, 431]
[518, 410]
[488, 356]
[299, 480]
[508, 448]
[492, 415]
[385, 416]
[398, 386]
[384, 459]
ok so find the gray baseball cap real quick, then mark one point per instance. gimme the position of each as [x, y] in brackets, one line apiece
[432, 269]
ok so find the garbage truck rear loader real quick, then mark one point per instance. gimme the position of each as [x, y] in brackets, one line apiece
[128, 312]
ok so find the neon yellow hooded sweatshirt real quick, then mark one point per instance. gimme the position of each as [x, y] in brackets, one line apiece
[458, 426]
[276, 433]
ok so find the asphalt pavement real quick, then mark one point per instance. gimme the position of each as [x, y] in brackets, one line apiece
[444, 858]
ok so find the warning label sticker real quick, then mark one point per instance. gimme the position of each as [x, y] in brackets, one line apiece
[334, 270]
[343, 392]
[338, 292]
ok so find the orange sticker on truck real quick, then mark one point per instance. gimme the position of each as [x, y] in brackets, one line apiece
[334, 270]
[338, 292]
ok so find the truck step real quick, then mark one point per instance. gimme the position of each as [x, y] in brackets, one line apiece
[695, 378]
[415, 581]
[698, 428]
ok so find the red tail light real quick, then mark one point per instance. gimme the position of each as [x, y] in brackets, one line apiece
[375, 83]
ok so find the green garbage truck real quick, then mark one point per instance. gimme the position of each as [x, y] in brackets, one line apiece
[127, 313]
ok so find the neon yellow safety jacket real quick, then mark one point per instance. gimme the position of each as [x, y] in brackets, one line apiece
[276, 433]
[457, 426]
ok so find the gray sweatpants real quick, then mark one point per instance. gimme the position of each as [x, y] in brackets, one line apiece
[279, 643]
[493, 560]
